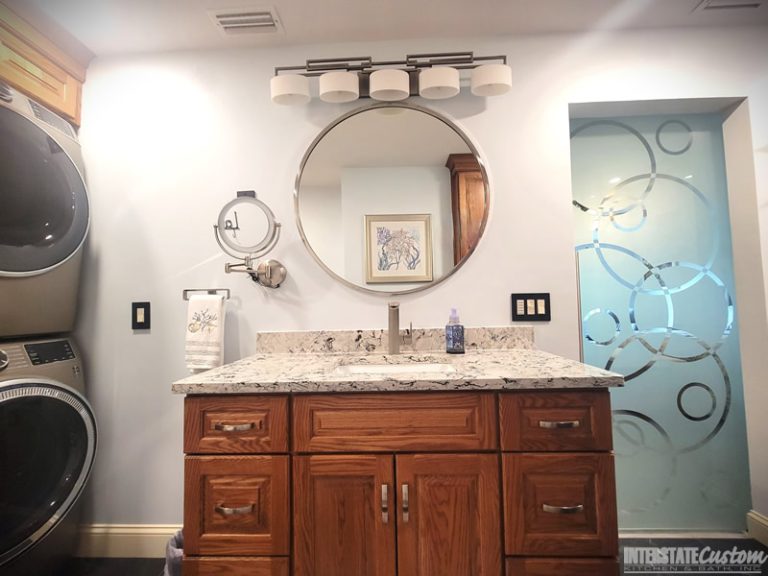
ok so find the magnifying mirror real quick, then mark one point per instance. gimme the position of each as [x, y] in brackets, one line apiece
[247, 230]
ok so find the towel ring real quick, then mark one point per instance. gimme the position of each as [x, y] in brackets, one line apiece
[246, 215]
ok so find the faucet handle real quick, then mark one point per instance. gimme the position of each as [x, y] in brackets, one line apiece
[407, 338]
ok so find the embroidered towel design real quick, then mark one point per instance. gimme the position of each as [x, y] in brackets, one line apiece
[205, 332]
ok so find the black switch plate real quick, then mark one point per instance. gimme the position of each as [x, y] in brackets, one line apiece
[531, 307]
[140, 317]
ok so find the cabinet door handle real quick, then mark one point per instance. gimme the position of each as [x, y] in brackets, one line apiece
[233, 427]
[562, 509]
[406, 504]
[385, 503]
[558, 424]
[239, 511]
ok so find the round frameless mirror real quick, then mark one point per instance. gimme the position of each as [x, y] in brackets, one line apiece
[391, 198]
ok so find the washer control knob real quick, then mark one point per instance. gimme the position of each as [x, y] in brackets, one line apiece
[3, 360]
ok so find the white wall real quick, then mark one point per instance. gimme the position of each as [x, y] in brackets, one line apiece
[168, 139]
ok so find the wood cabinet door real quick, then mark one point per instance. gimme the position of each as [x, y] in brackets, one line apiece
[448, 515]
[560, 504]
[344, 516]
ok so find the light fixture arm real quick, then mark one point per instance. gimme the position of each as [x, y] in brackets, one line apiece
[366, 65]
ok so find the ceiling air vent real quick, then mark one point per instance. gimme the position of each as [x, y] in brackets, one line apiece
[707, 5]
[238, 21]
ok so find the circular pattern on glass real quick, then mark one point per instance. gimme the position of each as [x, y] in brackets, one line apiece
[686, 391]
[674, 137]
[616, 329]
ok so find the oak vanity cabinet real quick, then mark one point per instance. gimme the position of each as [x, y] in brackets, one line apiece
[400, 484]
[236, 486]
[559, 487]
[410, 514]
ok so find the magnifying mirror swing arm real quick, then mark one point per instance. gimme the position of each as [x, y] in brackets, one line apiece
[269, 273]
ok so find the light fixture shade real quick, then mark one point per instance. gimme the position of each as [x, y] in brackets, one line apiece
[389, 85]
[289, 89]
[491, 79]
[339, 87]
[438, 82]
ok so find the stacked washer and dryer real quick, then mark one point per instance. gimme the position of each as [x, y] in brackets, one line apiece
[47, 427]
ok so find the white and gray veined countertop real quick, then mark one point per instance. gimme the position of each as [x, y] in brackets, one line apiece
[352, 361]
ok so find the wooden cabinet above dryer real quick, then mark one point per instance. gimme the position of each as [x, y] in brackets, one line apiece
[40, 59]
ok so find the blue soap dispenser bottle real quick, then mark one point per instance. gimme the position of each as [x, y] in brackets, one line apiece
[454, 334]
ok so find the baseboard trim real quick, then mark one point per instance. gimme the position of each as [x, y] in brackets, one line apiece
[757, 526]
[124, 540]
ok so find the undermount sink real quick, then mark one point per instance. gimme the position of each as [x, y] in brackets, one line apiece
[394, 369]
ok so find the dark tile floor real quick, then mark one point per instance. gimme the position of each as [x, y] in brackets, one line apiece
[114, 567]
[631, 550]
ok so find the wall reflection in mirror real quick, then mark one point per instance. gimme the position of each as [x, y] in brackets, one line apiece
[370, 181]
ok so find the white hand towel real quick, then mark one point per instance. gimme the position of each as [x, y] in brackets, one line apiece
[205, 332]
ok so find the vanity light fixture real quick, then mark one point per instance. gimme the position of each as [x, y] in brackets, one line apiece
[432, 76]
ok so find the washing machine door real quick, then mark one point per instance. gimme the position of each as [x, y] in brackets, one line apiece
[47, 448]
[43, 201]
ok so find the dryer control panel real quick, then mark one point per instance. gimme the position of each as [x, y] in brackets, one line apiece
[47, 352]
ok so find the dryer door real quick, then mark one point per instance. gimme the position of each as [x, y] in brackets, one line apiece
[47, 448]
[43, 201]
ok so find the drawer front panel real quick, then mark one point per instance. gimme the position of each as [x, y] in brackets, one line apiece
[25, 68]
[235, 424]
[236, 505]
[376, 422]
[235, 566]
[562, 567]
[560, 505]
[556, 421]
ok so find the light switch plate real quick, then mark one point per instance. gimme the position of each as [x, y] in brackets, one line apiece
[532, 307]
[140, 316]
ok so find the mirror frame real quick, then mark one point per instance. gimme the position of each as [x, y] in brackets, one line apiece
[339, 120]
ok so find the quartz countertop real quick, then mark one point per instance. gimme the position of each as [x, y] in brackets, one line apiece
[486, 369]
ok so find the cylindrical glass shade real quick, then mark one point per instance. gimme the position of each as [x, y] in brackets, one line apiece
[339, 86]
[438, 82]
[491, 79]
[289, 89]
[389, 85]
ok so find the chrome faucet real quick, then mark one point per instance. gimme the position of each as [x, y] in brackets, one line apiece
[393, 329]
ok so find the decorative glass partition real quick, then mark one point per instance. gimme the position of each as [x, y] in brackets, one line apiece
[656, 283]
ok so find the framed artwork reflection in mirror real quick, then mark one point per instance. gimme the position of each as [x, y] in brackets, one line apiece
[398, 248]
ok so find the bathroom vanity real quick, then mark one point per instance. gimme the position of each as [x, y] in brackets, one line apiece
[329, 458]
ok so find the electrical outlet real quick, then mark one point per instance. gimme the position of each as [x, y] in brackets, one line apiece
[531, 307]
[140, 317]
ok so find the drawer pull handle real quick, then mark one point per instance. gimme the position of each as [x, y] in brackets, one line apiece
[234, 427]
[239, 511]
[385, 503]
[406, 504]
[562, 509]
[558, 424]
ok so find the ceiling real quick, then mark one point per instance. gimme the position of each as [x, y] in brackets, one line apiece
[110, 27]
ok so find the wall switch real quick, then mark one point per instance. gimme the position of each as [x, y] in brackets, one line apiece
[140, 317]
[531, 307]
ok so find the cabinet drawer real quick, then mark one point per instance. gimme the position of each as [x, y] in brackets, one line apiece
[235, 566]
[562, 567]
[376, 422]
[236, 505]
[560, 505]
[556, 421]
[235, 424]
[32, 73]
